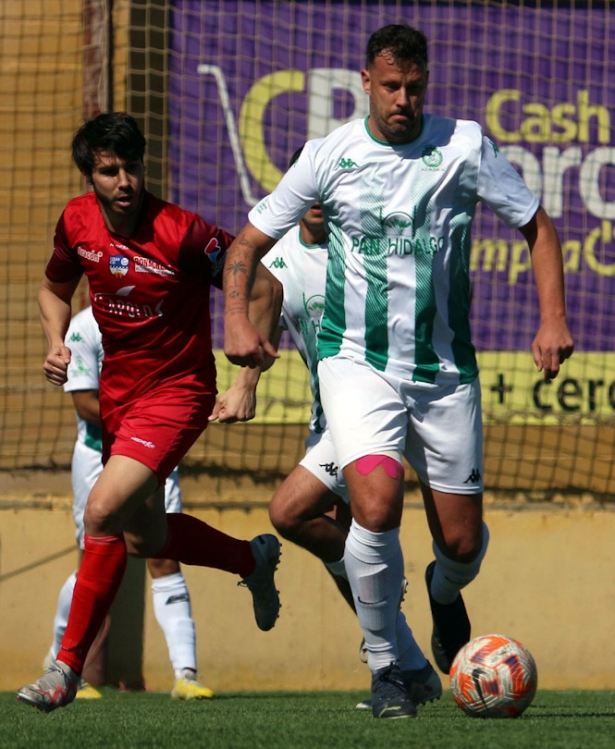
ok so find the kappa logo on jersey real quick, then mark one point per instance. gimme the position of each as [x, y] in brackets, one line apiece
[496, 150]
[118, 265]
[145, 265]
[278, 263]
[263, 205]
[118, 304]
[346, 164]
[89, 254]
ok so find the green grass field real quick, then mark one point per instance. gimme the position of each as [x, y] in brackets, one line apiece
[293, 720]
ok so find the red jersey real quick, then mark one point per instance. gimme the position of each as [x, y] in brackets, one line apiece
[149, 292]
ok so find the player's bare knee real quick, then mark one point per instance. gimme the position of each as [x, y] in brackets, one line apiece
[99, 519]
[461, 546]
[464, 544]
[162, 567]
[377, 517]
[286, 523]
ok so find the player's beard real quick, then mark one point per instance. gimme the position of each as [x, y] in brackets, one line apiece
[122, 219]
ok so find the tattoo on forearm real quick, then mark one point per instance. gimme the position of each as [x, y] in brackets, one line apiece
[236, 267]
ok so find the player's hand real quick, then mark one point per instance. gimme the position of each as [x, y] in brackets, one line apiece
[552, 345]
[56, 365]
[236, 404]
[244, 345]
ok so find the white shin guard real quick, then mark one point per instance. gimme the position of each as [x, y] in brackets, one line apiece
[173, 614]
[375, 568]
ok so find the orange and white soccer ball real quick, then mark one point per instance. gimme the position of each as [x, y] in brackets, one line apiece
[493, 676]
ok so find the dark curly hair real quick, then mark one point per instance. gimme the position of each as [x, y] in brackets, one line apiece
[110, 131]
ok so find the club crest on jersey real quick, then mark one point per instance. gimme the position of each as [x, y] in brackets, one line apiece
[118, 265]
[432, 157]
[314, 305]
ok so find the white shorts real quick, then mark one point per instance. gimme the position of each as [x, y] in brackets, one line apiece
[87, 466]
[320, 460]
[438, 428]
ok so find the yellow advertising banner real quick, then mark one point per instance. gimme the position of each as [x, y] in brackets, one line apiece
[514, 392]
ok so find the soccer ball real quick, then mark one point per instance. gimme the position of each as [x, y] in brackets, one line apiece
[493, 676]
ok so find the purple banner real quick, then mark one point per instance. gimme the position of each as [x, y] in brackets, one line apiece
[251, 81]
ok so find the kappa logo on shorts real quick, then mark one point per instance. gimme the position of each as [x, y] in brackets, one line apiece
[474, 477]
[330, 468]
[145, 443]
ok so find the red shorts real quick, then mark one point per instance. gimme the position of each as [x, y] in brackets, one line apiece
[157, 429]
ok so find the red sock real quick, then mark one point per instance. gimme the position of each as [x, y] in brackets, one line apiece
[191, 541]
[99, 577]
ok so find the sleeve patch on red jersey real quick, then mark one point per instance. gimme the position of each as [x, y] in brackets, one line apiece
[213, 249]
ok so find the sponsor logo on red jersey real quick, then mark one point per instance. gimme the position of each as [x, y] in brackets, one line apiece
[145, 265]
[119, 304]
[89, 254]
[213, 249]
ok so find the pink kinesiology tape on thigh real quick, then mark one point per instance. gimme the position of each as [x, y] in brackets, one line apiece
[367, 464]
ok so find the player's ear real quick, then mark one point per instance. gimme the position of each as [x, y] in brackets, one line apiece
[365, 81]
[87, 178]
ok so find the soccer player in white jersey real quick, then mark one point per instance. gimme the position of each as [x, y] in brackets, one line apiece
[397, 371]
[171, 598]
[310, 508]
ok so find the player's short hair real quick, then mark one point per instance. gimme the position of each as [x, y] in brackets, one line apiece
[295, 156]
[110, 131]
[404, 43]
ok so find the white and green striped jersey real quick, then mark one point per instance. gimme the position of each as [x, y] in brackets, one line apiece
[399, 218]
[302, 269]
[84, 340]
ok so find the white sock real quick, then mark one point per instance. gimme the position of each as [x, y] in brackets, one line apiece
[449, 577]
[173, 614]
[375, 569]
[411, 657]
[337, 568]
[62, 611]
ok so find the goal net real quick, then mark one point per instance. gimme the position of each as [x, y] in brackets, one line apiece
[226, 91]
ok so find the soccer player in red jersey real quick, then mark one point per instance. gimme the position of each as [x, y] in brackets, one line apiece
[150, 265]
